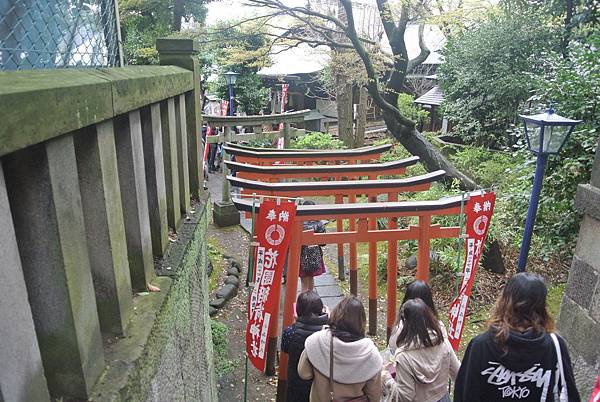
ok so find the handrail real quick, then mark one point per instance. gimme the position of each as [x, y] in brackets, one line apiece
[337, 186]
[256, 120]
[299, 154]
[42, 104]
[356, 169]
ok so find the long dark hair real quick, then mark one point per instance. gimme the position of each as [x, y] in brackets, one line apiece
[348, 319]
[419, 325]
[309, 304]
[418, 290]
[521, 306]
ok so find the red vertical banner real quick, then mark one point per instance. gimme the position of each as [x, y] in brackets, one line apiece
[479, 211]
[224, 107]
[273, 230]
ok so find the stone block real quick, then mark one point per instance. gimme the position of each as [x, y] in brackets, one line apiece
[232, 280]
[325, 280]
[227, 292]
[595, 181]
[329, 291]
[21, 372]
[587, 244]
[45, 200]
[167, 116]
[155, 177]
[225, 214]
[218, 303]
[583, 279]
[585, 375]
[134, 197]
[105, 230]
[233, 271]
[182, 154]
[594, 309]
[580, 331]
[587, 200]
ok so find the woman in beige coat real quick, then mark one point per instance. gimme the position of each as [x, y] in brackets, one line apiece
[424, 360]
[356, 361]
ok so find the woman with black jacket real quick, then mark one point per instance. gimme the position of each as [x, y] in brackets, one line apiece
[311, 318]
[516, 359]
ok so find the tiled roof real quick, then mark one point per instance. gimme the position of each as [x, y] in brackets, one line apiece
[432, 97]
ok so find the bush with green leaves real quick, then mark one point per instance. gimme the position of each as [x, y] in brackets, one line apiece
[317, 140]
[485, 74]
[408, 109]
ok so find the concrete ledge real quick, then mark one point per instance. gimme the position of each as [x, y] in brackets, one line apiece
[587, 200]
[42, 104]
[168, 353]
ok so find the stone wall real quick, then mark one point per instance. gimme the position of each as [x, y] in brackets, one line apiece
[579, 319]
[98, 169]
[171, 358]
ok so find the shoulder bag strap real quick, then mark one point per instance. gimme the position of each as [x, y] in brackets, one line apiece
[331, 368]
[562, 394]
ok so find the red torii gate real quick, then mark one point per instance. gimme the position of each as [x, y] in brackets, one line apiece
[256, 156]
[352, 189]
[273, 173]
[424, 232]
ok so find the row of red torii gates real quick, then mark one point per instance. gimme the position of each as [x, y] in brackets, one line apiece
[339, 174]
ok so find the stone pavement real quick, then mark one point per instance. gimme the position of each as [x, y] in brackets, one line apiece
[326, 285]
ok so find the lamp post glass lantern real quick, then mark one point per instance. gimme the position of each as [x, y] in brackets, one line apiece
[546, 134]
[230, 79]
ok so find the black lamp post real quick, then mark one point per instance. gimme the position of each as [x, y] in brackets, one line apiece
[546, 134]
[230, 78]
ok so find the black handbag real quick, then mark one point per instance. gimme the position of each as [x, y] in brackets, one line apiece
[311, 259]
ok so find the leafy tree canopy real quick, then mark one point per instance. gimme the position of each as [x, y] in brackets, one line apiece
[243, 49]
[143, 21]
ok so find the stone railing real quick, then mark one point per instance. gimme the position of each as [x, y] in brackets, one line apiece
[96, 167]
[224, 212]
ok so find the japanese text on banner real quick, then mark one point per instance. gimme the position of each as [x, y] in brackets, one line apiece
[273, 231]
[479, 215]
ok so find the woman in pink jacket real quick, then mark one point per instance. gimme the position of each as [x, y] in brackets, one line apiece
[424, 360]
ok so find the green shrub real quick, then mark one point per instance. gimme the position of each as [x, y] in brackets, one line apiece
[408, 109]
[317, 140]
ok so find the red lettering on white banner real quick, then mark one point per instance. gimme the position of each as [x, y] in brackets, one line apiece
[273, 230]
[479, 215]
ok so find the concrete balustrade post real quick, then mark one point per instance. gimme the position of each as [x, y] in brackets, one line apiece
[286, 135]
[21, 372]
[132, 178]
[152, 138]
[169, 132]
[182, 52]
[45, 201]
[182, 153]
[224, 212]
[104, 227]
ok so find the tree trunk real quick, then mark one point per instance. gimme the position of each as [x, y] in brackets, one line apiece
[431, 157]
[178, 11]
[361, 118]
[343, 101]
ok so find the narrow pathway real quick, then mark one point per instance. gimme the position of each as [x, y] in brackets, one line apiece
[326, 285]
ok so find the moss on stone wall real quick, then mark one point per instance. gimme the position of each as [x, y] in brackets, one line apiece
[168, 354]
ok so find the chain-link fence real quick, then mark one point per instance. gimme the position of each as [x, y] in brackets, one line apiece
[58, 33]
